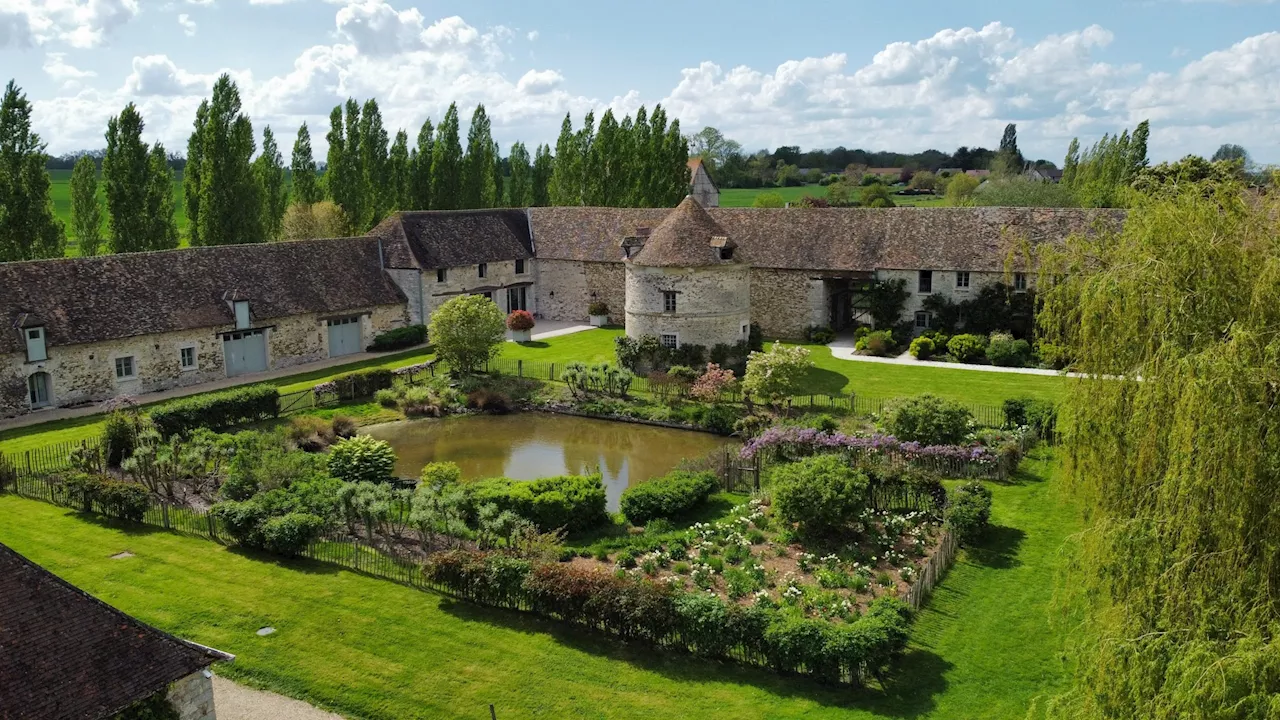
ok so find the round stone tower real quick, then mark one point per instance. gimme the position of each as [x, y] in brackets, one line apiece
[686, 283]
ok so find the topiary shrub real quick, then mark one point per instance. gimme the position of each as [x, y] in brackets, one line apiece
[927, 419]
[290, 534]
[362, 459]
[669, 496]
[879, 342]
[572, 502]
[399, 338]
[921, 348]
[967, 348]
[820, 495]
[1004, 351]
[969, 511]
[123, 500]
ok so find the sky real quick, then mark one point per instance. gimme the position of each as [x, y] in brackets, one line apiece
[879, 76]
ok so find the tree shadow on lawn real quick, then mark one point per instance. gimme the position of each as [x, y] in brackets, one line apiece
[820, 381]
[536, 344]
[300, 564]
[998, 548]
[909, 691]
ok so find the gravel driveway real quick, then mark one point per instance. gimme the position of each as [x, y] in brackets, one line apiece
[232, 701]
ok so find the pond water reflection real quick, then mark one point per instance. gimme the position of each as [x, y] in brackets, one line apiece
[533, 445]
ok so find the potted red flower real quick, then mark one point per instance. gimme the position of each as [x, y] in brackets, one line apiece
[520, 323]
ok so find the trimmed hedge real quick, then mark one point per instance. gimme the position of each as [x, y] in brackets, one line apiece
[115, 498]
[572, 502]
[640, 609]
[399, 339]
[969, 511]
[671, 495]
[363, 383]
[217, 410]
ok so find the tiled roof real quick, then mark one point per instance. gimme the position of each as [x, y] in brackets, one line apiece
[66, 656]
[683, 239]
[445, 239]
[82, 300]
[844, 239]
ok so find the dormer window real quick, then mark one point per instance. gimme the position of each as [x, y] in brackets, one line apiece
[726, 253]
[36, 350]
[242, 314]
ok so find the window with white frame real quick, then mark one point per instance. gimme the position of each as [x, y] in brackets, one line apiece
[125, 368]
[669, 302]
[922, 320]
[669, 341]
[925, 281]
[36, 350]
[1019, 281]
[187, 358]
[483, 269]
[962, 280]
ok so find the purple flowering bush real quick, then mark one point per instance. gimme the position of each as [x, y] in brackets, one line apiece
[800, 441]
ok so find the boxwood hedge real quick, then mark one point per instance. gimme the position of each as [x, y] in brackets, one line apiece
[671, 495]
[217, 410]
[572, 502]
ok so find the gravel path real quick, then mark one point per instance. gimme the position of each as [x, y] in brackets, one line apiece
[233, 701]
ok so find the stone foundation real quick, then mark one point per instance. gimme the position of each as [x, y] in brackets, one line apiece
[192, 697]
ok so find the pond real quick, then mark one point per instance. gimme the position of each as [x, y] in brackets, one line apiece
[526, 446]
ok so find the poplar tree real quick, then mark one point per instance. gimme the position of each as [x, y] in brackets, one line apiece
[29, 229]
[230, 201]
[605, 176]
[125, 170]
[353, 196]
[398, 173]
[269, 169]
[86, 211]
[191, 173]
[582, 141]
[651, 161]
[446, 163]
[375, 181]
[306, 188]
[477, 165]
[498, 182]
[520, 188]
[638, 160]
[543, 167]
[565, 186]
[1009, 160]
[162, 227]
[335, 173]
[420, 169]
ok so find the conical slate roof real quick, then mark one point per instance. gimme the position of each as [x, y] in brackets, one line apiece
[687, 237]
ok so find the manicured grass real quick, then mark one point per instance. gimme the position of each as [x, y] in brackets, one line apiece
[830, 376]
[983, 648]
[744, 197]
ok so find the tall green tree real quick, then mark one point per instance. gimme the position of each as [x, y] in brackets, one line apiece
[126, 168]
[565, 186]
[543, 167]
[583, 140]
[652, 162]
[398, 173]
[446, 164]
[162, 231]
[349, 194]
[377, 191]
[498, 180]
[637, 161]
[230, 200]
[1071, 165]
[191, 173]
[606, 171]
[520, 188]
[306, 187]
[86, 210]
[29, 229]
[420, 168]
[1009, 160]
[675, 170]
[1231, 152]
[477, 164]
[335, 173]
[269, 168]
[1138, 160]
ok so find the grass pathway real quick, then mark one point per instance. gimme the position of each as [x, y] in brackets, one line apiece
[365, 647]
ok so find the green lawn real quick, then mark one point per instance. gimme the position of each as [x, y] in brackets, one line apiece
[830, 376]
[60, 190]
[984, 647]
[744, 197]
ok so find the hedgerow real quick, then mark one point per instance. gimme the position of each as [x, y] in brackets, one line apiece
[217, 410]
[668, 496]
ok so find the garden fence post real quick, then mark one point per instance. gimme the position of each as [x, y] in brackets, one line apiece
[519, 368]
[213, 532]
[164, 513]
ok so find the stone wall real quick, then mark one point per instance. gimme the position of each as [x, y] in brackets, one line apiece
[786, 302]
[944, 283]
[565, 289]
[82, 374]
[713, 304]
[466, 280]
[410, 283]
[192, 697]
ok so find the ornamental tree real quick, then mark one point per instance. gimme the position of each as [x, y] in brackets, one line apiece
[712, 383]
[774, 375]
[467, 332]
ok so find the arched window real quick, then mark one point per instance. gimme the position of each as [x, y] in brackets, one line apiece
[39, 390]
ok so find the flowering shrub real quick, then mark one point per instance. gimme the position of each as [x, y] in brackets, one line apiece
[520, 320]
[324, 389]
[777, 374]
[804, 441]
[712, 383]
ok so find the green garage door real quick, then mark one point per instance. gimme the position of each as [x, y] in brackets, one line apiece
[245, 352]
[344, 336]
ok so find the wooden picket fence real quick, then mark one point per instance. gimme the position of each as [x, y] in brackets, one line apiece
[931, 574]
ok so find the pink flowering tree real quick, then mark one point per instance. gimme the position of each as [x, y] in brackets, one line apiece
[713, 382]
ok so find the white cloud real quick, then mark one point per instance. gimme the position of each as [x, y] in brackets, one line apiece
[78, 23]
[63, 73]
[188, 25]
[157, 75]
[533, 35]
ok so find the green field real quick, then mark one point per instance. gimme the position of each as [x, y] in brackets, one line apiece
[983, 648]
[829, 376]
[744, 197]
[60, 190]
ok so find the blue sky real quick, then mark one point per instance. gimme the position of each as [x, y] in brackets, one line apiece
[873, 75]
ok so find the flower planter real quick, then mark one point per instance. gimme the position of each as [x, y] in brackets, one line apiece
[599, 320]
[520, 335]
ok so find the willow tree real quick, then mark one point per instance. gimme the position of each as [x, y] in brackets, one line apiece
[1174, 452]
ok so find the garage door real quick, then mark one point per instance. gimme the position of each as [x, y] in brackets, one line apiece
[245, 352]
[344, 336]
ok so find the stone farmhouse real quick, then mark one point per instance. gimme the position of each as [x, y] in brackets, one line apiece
[83, 330]
[65, 654]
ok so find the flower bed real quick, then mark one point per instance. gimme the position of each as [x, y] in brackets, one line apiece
[967, 460]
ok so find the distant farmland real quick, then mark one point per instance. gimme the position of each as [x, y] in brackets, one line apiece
[744, 197]
[61, 192]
